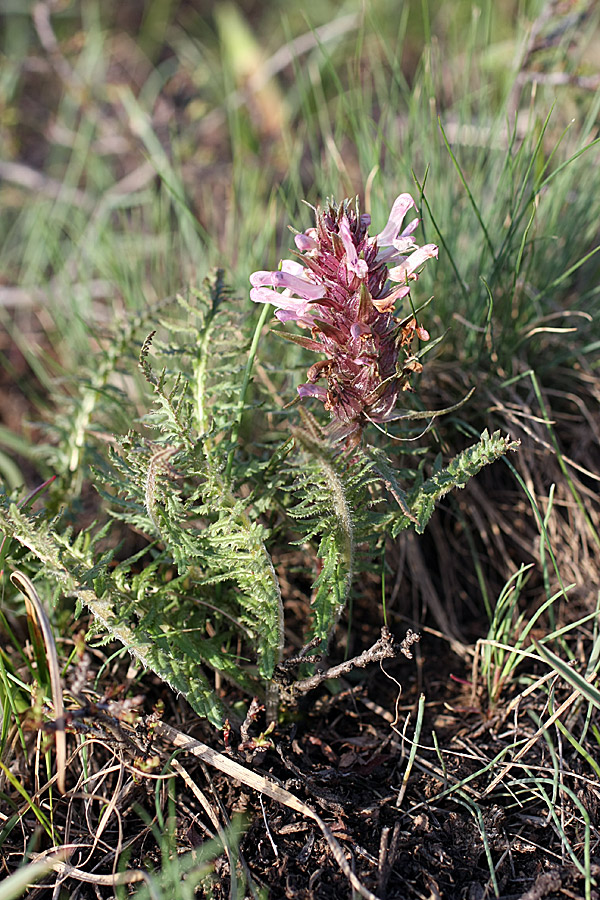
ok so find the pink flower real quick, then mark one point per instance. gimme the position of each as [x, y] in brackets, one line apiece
[345, 293]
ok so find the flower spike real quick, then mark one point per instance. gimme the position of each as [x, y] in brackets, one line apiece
[345, 293]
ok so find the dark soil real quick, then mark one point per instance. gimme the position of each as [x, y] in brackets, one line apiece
[345, 754]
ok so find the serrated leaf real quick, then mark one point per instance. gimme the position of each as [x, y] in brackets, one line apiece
[167, 654]
[456, 475]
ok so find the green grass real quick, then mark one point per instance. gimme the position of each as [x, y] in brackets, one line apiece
[152, 158]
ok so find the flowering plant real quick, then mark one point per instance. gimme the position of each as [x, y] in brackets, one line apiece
[345, 292]
[207, 508]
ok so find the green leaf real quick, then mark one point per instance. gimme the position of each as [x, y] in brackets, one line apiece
[570, 675]
[457, 474]
[154, 648]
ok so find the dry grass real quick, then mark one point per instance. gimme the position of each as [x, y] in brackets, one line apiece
[491, 785]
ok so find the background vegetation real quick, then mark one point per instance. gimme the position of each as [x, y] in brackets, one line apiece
[141, 146]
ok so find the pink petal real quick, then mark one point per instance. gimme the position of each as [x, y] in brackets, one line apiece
[406, 269]
[404, 246]
[401, 206]
[347, 241]
[400, 245]
[289, 315]
[293, 267]
[307, 289]
[282, 301]
[312, 390]
[361, 269]
[386, 304]
[355, 265]
[257, 279]
[305, 243]
[265, 295]
[411, 227]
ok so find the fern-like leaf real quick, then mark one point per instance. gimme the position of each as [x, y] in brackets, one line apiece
[457, 473]
[168, 652]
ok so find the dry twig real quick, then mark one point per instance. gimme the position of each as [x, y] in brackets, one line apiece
[264, 786]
